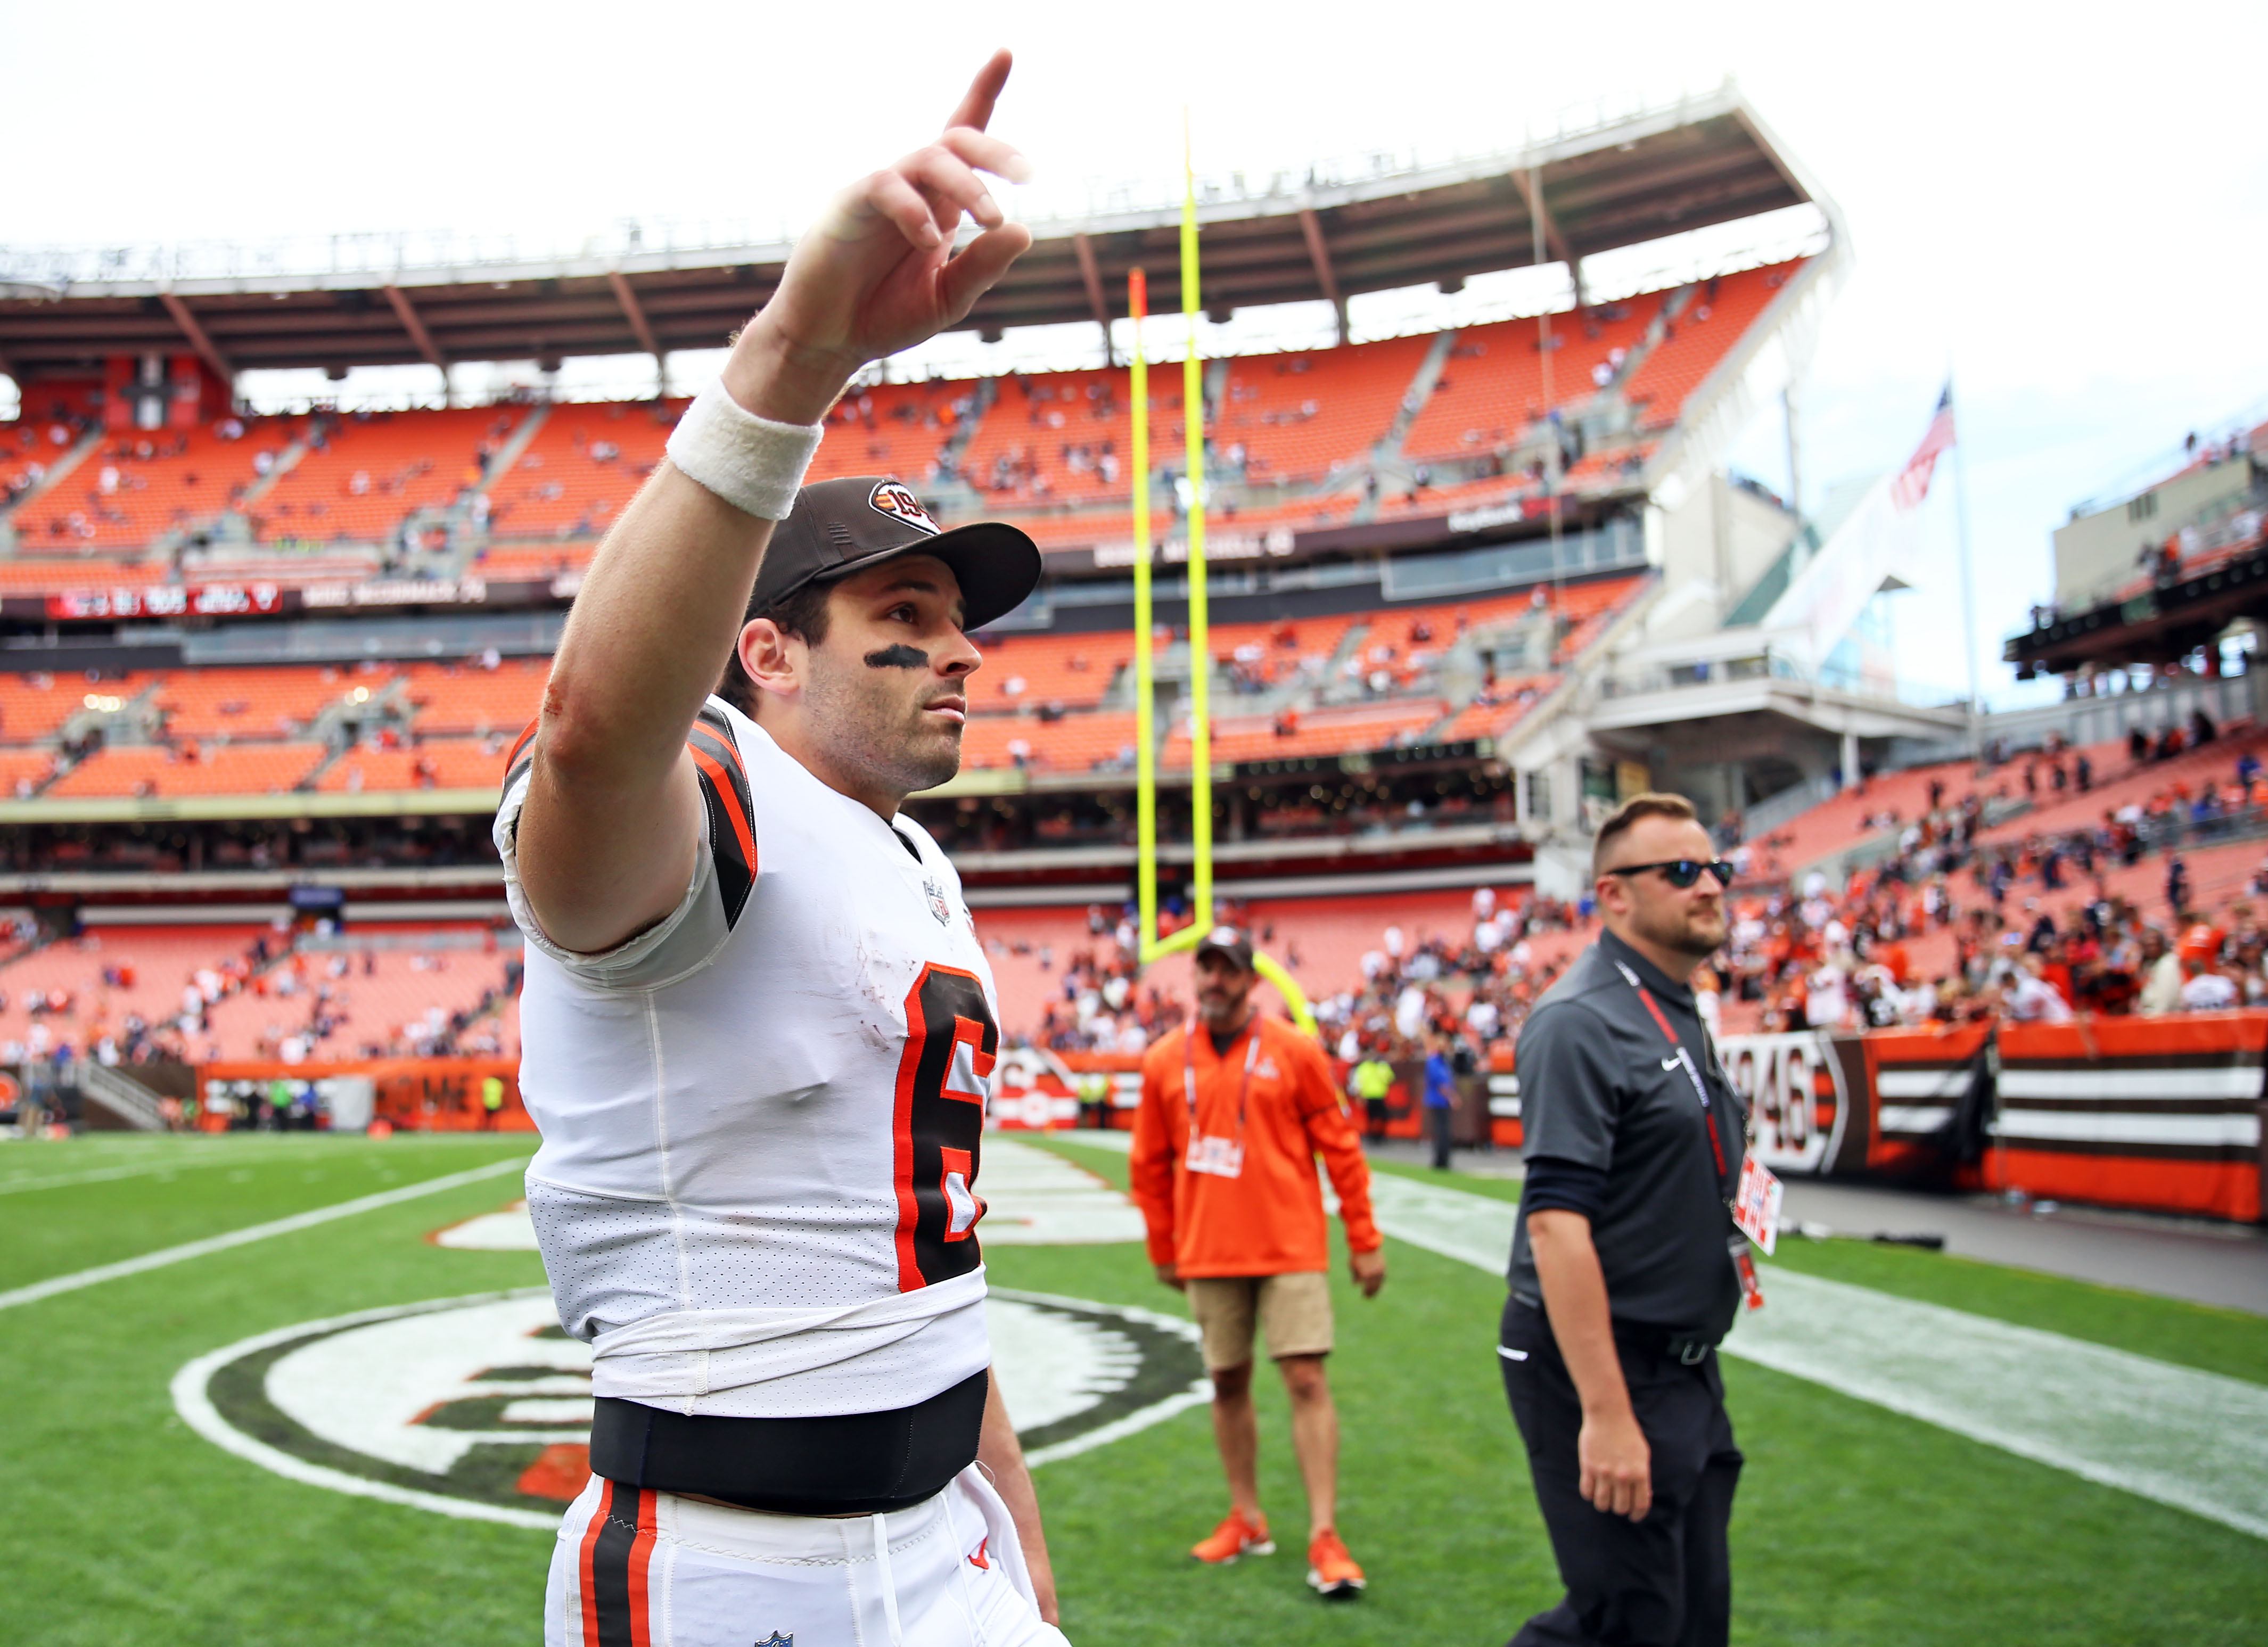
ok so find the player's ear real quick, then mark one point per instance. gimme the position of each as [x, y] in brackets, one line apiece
[772, 657]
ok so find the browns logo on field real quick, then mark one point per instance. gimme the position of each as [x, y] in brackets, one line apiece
[899, 504]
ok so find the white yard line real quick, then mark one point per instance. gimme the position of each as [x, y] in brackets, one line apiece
[2197, 1441]
[187, 1250]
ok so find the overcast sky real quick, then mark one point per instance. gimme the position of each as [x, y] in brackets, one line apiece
[2066, 209]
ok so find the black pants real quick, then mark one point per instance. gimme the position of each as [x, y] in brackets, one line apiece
[1440, 1124]
[1663, 1581]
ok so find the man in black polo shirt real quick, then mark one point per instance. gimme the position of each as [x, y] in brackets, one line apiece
[1626, 1268]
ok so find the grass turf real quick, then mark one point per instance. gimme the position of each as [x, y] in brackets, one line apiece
[1855, 1525]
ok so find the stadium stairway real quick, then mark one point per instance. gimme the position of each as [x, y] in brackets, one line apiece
[57, 472]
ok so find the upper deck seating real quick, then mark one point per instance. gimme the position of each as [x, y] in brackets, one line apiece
[1299, 417]
[366, 471]
[1492, 389]
[1702, 333]
[138, 485]
[583, 466]
[1060, 436]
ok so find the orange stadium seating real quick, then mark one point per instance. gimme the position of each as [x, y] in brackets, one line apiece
[138, 485]
[227, 769]
[376, 998]
[1711, 322]
[35, 706]
[1321, 940]
[1071, 670]
[443, 764]
[255, 701]
[580, 470]
[1075, 744]
[39, 576]
[2119, 783]
[1320, 732]
[23, 771]
[28, 450]
[466, 698]
[375, 469]
[1492, 388]
[1041, 425]
[1297, 416]
[161, 961]
[892, 429]
[505, 564]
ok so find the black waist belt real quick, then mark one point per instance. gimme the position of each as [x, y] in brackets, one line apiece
[1689, 1348]
[856, 1464]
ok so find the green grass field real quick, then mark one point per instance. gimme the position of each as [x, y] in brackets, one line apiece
[1855, 1525]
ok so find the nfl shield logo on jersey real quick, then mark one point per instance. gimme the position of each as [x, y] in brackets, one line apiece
[943, 911]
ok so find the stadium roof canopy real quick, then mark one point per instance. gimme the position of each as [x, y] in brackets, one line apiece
[379, 301]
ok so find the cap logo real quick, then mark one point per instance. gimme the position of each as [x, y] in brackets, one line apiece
[1224, 936]
[890, 498]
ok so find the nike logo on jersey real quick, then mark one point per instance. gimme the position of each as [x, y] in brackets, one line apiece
[1671, 1063]
[978, 1560]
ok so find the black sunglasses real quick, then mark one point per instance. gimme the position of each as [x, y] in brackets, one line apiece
[1682, 872]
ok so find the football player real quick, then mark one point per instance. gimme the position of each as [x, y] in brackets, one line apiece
[757, 1021]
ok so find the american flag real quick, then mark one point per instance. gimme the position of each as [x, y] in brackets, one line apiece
[1912, 484]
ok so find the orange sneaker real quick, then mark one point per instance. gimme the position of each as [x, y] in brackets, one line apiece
[1236, 1536]
[1331, 1572]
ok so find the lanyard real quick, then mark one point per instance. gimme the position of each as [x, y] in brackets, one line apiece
[1685, 1060]
[1190, 1074]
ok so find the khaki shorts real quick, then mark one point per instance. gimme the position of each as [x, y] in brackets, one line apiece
[1294, 1310]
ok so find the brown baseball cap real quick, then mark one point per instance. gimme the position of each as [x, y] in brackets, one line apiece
[1231, 944]
[842, 526]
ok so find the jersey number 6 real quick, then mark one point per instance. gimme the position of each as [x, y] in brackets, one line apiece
[951, 1040]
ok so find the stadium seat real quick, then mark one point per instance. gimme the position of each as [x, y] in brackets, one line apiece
[217, 769]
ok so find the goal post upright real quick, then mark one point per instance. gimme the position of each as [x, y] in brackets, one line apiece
[1145, 750]
[1200, 649]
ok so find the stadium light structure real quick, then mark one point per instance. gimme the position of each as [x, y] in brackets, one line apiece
[1148, 946]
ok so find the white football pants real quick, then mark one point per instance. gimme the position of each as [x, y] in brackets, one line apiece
[643, 1568]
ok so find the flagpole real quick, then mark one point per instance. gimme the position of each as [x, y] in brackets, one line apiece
[1968, 578]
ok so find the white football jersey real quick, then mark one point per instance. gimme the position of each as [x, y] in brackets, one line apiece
[762, 1119]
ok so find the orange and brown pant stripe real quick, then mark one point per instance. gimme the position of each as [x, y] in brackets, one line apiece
[618, 1546]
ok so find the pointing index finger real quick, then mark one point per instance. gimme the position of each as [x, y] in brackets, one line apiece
[983, 91]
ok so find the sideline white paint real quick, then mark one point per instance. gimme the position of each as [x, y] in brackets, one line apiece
[187, 1250]
[248, 1159]
[2197, 1441]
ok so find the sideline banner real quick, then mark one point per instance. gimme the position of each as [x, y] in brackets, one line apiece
[2158, 1113]
[412, 1094]
[1918, 1077]
[1809, 1100]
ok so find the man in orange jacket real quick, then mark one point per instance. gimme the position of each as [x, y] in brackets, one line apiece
[1235, 1107]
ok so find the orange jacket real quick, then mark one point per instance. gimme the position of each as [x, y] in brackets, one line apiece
[1268, 1220]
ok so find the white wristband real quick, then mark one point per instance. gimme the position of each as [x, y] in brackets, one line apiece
[751, 463]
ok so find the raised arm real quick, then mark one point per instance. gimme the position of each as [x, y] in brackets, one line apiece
[607, 834]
